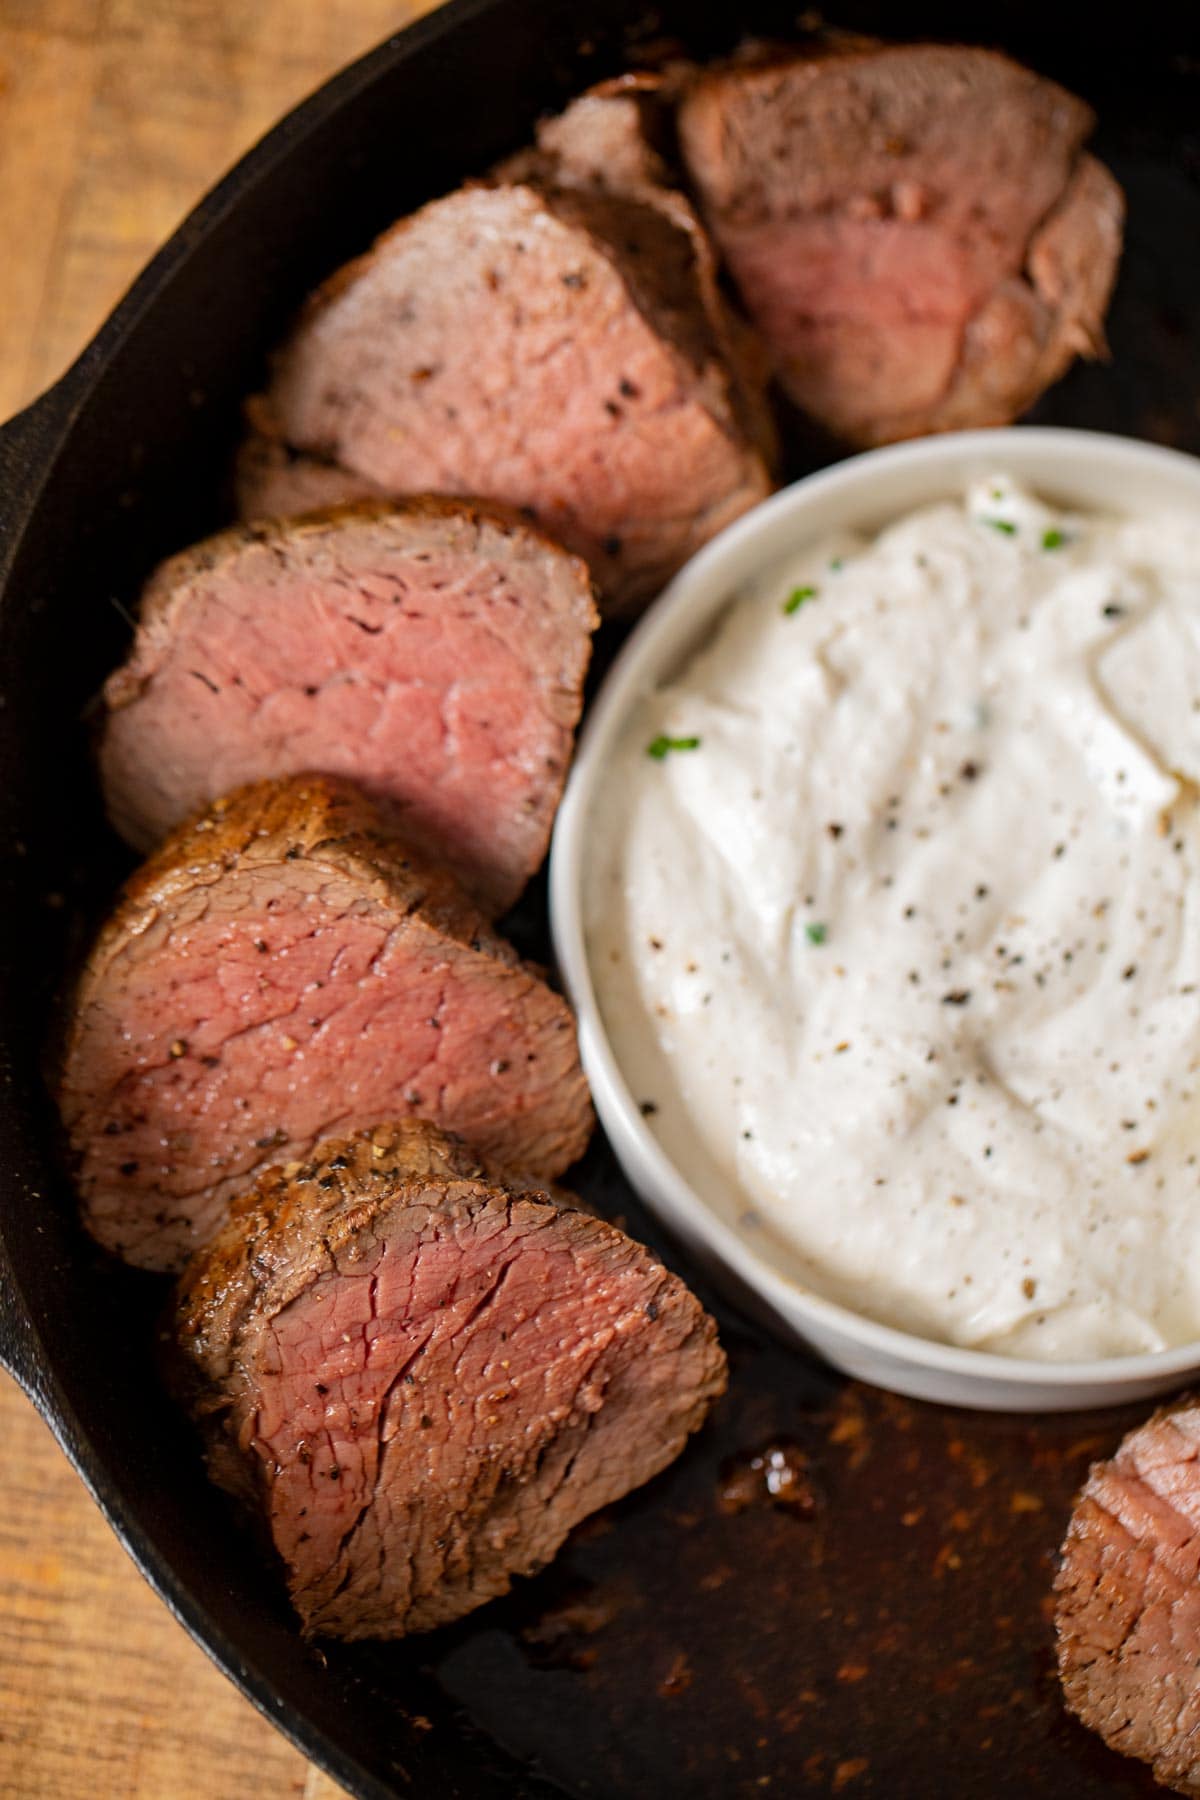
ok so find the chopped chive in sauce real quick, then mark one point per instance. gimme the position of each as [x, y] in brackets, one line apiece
[1053, 538]
[837, 563]
[1004, 525]
[797, 597]
[816, 933]
[662, 745]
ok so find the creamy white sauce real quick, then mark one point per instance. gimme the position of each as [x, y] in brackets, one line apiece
[902, 960]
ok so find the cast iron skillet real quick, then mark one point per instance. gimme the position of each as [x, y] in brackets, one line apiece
[883, 1632]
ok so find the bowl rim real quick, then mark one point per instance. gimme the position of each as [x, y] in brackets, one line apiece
[622, 686]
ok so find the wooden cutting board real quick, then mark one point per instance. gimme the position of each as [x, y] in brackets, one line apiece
[115, 117]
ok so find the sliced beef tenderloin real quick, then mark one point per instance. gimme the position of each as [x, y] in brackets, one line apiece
[424, 1376]
[547, 347]
[1128, 1598]
[914, 228]
[280, 969]
[432, 650]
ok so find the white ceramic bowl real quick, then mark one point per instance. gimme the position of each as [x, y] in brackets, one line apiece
[1074, 468]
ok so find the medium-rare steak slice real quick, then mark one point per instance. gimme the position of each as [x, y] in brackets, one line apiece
[1128, 1598]
[432, 650]
[282, 969]
[546, 347]
[425, 1376]
[914, 229]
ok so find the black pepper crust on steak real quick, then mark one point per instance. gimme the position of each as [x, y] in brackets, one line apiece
[423, 1375]
[282, 969]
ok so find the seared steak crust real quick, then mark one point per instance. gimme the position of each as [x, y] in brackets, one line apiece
[433, 650]
[1128, 1598]
[425, 1376]
[280, 968]
[914, 228]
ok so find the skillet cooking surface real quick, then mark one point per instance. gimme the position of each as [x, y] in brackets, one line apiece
[883, 1632]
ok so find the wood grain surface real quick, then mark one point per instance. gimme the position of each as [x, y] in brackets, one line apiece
[115, 117]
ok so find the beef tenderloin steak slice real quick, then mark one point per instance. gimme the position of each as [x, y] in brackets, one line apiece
[283, 968]
[606, 140]
[1128, 1598]
[611, 139]
[915, 229]
[425, 1376]
[549, 348]
[432, 650]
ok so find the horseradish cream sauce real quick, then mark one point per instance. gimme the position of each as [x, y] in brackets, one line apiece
[894, 921]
